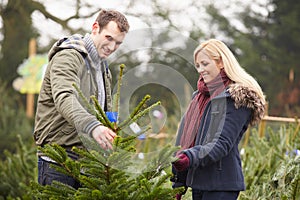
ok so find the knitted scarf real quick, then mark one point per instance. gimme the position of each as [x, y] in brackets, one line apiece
[196, 108]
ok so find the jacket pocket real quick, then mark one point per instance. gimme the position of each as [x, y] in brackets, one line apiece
[66, 136]
[59, 134]
[68, 129]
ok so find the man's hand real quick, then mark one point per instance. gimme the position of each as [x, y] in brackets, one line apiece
[104, 136]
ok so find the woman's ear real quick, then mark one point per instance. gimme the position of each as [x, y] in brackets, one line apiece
[220, 63]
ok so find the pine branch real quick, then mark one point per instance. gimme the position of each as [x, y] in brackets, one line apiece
[88, 158]
[135, 111]
[139, 115]
[92, 183]
[105, 120]
[117, 99]
[55, 152]
[56, 191]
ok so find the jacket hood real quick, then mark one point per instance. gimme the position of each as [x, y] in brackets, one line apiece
[72, 42]
[244, 96]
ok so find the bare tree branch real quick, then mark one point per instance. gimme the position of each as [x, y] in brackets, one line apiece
[65, 23]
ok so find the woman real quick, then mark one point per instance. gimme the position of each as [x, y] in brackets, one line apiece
[228, 99]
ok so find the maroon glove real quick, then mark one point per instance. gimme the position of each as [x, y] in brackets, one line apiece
[178, 196]
[182, 163]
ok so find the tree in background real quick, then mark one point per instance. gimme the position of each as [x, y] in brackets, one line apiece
[272, 164]
[285, 37]
[18, 29]
[268, 45]
[13, 121]
[17, 170]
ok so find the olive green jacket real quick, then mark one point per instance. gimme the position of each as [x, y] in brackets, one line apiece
[60, 114]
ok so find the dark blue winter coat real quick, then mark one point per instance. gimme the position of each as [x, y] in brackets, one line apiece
[215, 163]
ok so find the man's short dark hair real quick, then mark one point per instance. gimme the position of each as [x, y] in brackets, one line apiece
[105, 16]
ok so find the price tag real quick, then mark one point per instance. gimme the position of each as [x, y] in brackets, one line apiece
[135, 127]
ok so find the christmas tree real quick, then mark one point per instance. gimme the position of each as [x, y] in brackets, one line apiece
[117, 173]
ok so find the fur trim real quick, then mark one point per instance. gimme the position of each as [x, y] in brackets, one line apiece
[244, 96]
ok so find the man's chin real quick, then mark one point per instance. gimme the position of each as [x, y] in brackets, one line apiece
[104, 56]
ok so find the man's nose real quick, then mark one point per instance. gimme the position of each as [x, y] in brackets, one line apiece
[112, 46]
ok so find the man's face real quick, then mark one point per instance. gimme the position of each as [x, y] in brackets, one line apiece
[108, 40]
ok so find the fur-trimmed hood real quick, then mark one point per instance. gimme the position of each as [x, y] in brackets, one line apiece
[244, 96]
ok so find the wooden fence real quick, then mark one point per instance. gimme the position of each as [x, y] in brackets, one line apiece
[267, 118]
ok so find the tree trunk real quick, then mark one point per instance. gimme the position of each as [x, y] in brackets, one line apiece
[18, 30]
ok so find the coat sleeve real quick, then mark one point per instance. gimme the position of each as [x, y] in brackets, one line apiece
[64, 72]
[233, 123]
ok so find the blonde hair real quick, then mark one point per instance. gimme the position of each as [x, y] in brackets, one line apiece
[218, 51]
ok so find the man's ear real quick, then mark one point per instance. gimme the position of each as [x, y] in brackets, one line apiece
[95, 28]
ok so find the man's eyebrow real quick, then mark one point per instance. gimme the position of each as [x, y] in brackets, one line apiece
[109, 36]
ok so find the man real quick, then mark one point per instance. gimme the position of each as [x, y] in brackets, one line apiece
[60, 116]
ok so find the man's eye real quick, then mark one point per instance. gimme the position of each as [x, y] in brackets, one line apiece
[109, 38]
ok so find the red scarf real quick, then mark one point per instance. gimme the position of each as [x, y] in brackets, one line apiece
[196, 108]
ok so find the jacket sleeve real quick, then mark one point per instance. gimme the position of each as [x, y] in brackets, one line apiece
[233, 122]
[64, 72]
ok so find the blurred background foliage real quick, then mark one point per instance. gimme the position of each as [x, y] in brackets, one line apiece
[13, 121]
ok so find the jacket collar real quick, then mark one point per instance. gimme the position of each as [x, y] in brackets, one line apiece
[246, 97]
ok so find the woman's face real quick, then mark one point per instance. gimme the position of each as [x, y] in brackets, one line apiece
[206, 67]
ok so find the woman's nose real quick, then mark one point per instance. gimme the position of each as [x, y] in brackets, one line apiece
[200, 69]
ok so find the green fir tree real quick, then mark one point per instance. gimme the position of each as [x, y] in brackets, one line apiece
[112, 174]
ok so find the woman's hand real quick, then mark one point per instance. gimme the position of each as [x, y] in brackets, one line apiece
[182, 163]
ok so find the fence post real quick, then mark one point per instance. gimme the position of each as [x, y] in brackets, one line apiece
[30, 96]
[262, 124]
